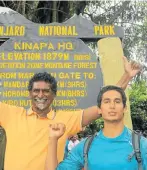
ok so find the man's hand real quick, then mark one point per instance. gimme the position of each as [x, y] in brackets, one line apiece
[131, 68]
[56, 130]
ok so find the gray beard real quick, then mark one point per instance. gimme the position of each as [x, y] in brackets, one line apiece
[41, 106]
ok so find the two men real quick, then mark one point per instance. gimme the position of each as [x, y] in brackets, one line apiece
[27, 131]
[111, 148]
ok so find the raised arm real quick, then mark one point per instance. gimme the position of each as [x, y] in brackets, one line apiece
[131, 70]
[55, 132]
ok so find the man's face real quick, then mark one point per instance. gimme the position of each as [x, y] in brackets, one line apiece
[112, 107]
[41, 95]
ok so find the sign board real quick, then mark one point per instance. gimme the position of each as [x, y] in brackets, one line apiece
[56, 48]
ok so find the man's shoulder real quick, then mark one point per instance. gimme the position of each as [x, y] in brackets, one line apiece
[71, 119]
[68, 111]
[128, 130]
[67, 114]
[143, 140]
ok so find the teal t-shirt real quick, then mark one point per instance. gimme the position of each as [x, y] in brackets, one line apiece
[107, 154]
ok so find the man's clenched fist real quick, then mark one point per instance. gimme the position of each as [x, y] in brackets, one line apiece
[56, 130]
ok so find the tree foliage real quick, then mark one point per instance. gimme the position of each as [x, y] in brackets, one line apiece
[138, 100]
[131, 15]
[45, 11]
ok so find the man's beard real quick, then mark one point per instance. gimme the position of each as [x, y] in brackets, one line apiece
[41, 106]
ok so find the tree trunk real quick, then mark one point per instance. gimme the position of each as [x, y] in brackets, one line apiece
[54, 16]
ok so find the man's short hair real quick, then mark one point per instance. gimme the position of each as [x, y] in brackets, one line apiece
[108, 88]
[46, 77]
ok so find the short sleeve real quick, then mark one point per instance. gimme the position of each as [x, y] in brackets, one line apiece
[75, 159]
[74, 124]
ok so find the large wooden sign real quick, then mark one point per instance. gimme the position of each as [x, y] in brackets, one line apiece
[70, 61]
[59, 49]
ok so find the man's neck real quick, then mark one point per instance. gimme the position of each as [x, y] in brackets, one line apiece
[41, 113]
[113, 130]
